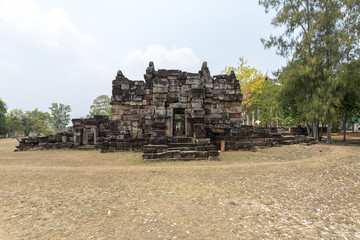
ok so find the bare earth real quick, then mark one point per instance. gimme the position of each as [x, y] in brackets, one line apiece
[298, 192]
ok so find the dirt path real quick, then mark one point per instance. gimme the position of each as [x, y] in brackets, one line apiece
[298, 192]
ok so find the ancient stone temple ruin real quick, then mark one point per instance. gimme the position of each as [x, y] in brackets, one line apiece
[175, 114]
[171, 115]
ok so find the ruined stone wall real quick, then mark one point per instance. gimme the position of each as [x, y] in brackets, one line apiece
[55, 141]
[146, 109]
[171, 115]
[108, 141]
[132, 110]
[223, 114]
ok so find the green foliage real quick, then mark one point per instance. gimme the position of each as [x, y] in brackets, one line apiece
[349, 86]
[298, 92]
[14, 124]
[101, 106]
[268, 110]
[3, 110]
[319, 35]
[289, 107]
[60, 116]
[259, 92]
[251, 82]
[36, 121]
[19, 122]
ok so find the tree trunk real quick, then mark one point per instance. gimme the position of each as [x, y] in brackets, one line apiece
[316, 130]
[328, 139]
[353, 128]
[308, 128]
[253, 118]
[344, 126]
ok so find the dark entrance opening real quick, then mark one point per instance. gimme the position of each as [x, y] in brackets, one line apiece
[179, 122]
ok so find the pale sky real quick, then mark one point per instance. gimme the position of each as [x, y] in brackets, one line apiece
[68, 51]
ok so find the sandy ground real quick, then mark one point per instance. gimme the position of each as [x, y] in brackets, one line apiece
[288, 192]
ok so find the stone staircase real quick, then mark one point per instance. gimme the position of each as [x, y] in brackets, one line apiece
[290, 138]
[180, 148]
[87, 147]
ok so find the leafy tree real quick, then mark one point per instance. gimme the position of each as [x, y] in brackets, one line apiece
[60, 116]
[3, 110]
[36, 121]
[318, 36]
[259, 92]
[14, 124]
[101, 106]
[268, 109]
[349, 103]
[42, 121]
[288, 106]
[298, 93]
[251, 82]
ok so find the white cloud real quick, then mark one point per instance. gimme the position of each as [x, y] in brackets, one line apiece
[8, 60]
[7, 66]
[51, 36]
[87, 69]
[55, 56]
[136, 61]
[51, 28]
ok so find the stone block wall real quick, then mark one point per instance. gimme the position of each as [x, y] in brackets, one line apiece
[171, 115]
[56, 141]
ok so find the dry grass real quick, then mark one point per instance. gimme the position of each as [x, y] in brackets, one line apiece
[299, 192]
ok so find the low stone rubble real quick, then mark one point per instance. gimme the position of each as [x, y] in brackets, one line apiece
[56, 141]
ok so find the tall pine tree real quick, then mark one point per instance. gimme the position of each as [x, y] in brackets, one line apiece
[318, 36]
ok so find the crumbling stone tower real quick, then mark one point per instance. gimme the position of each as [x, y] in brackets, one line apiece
[176, 114]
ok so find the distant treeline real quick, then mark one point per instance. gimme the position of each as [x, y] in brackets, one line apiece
[18, 122]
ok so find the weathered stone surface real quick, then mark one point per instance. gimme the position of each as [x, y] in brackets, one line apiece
[171, 115]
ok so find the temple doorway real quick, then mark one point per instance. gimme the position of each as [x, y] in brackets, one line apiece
[179, 122]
